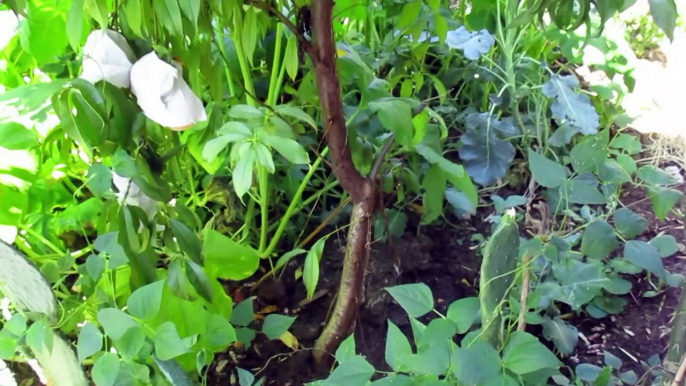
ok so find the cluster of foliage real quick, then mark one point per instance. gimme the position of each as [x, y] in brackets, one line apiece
[136, 227]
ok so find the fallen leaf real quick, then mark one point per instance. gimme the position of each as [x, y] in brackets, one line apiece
[289, 340]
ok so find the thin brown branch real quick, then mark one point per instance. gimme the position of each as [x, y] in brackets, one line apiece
[283, 19]
[679, 377]
[526, 283]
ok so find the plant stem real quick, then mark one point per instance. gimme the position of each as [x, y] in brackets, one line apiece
[263, 178]
[227, 70]
[526, 281]
[293, 205]
[274, 84]
[242, 60]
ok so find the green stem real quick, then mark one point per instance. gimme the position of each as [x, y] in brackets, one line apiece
[263, 179]
[242, 60]
[222, 51]
[249, 215]
[274, 83]
[294, 204]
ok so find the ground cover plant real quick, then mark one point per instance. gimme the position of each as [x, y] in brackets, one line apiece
[284, 192]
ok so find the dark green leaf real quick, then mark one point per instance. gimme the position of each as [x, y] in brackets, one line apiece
[245, 378]
[355, 371]
[463, 313]
[645, 256]
[433, 157]
[588, 154]
[588, 372]
[612, 361]
[630, 224]
[434, 184]
[106, 369]
[188, 241]
[219, 333]
[416, 299]
[524, 354]
[666, 245]
[570, 106]
[599, 240]
[99, 179]
[243, 314]
[131, 343]
[115, 322]
[89, 341]
[564, 335]
[663, 199]
[547, 173]
[397, 346]
[276, 325]
[476, 364]
[664, 14]
[653, 175]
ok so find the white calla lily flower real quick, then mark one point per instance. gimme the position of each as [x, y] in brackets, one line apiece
[163, 94]
[107, 56]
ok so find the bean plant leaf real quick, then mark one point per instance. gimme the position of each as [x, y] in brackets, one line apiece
[664, 14]
[245, 378]
[473, 44]
[145, 302]
[106, 369]
[115, 322]
[630, 224]
[276, 325]
[663, 200]
[311, 268]
[188, 241]
[588, 154]
[476, 364]
[396, 116]
[666, 245]
[355, 371]
[168, 343]
[463, 313]
[524, 354]
[588, 372]
[416, 299]
[243, 314]
[569, 106]
[583, 189]
[397, 346]
[219, 333]
[485, 151]
[645, 256]
[599, 240]
[546, 172]
[653, 175]
[564, 335]
[89, 341]
[346, 350]
[577, 283]
[226, 259]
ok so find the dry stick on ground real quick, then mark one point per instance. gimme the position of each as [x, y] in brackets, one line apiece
[680, 373]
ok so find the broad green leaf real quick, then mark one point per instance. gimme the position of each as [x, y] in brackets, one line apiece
[564, 335]
[524, 354]
[213, 147]
[588, 154]
[463, 313]
[346, 350]
[286, 257]
[416, 299]
[144, 303]
[75, 24]
[245, 378]
[276, 325]
[433, 361]
[630, 224]
[588, 372]
[201, 282]
[461, 203]
[191, 9]
[245, 112]
[14, 136]
[169, 15]
[188, 241]
[396, 116]
[226, 259]
[397, 346]
[394, 380]
[115, 322]
[571, 107]
[131, 343]
[243, 172]
[663, 199]
[294, 152]
[599, 240]
[645, 256]
[476, 364]
[577, 282]
[547, 173]
[16, 325]
[291, 60]
[612, 360]
[39, 336]
[99, 11]
[243, 314]
[219, 333]
[437, 333]
[618, 286]
[434, 184]
[355, 371]
[627, 142]
[664, 14]
[89, 341]
[106, 369]
[409, 14]
[311, 268]
[583, 189]
[666, 245]
[95, 265]
[99, 179]
[653, 175]
[448, 166]
[134, 16]
[297, 113]
[168, 343]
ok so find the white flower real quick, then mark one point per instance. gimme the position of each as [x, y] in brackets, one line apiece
[163, 95]
[107, 56]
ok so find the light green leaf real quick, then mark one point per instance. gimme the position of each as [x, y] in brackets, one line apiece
[286, 257]
[99, 179]
[131, 343]
[663, 199]
[188, 241]
[215, 146]
[16, 325]
[245, 112]
[89, 341]
[115, 322]
[564, 335]
[476, 364]
[653, 175]
[191, 9]
[219, 333]
[291, 57]
[264, 157]
[434, 184]
[546, 172]
[243, 172]
[588, 372]
[297, 113]
[226, 259]
[588, 154]
[245, 378]
[416, 299]
[397, 346]
[106, 369]
[524, 354]
[40, 336]
[294, 152]
[433, 361]
[409, 15]
[144, 303]
[134, 16]
[355, 371]
[168, 343]
[169, 15]
[599, 240]
[430, 155]
[311, 268]
[645, 256]
[463, 313]
[99, 11]
[346, 350]
[75, 24]
[396, 116]
[276, 325]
